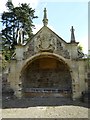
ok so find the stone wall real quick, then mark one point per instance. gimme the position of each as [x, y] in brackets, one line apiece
[47, 61]
[43, 74]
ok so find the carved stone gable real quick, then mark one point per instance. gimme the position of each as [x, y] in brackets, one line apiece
[45, 41]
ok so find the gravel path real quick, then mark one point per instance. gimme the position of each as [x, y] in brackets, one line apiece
[46, 112]
[44, 108]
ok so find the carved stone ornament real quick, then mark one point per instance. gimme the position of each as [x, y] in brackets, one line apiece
[45, 43]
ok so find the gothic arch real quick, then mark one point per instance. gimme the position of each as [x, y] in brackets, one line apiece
[44, 71]
[44, 54]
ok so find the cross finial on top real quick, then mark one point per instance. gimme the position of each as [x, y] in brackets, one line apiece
[9, 0]
[72, 34]
[45, 20]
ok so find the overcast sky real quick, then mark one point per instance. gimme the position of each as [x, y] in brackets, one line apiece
[61, 16]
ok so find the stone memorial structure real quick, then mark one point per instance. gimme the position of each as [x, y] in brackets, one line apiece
[48, 66]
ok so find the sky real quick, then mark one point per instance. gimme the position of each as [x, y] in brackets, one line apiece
[61, 16]
[89, 28]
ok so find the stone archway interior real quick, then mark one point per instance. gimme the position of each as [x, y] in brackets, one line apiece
[46, 74]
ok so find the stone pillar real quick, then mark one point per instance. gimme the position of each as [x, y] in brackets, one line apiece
[82, 75]
[19, 52]
[18, 91]
[19, 57]
[73, 51]
[75, 81]
[75, 91]
[15, 69]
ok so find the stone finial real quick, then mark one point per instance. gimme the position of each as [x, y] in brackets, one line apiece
[72, 35]
[9, 0]
[45, 20]
[20, 36]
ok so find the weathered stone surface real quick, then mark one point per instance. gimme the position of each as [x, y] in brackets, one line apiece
[47, 61]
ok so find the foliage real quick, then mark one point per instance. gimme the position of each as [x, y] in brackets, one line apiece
[4, 64]
[89, 58]
[80, 48]
[25, 15]
[13, 19]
